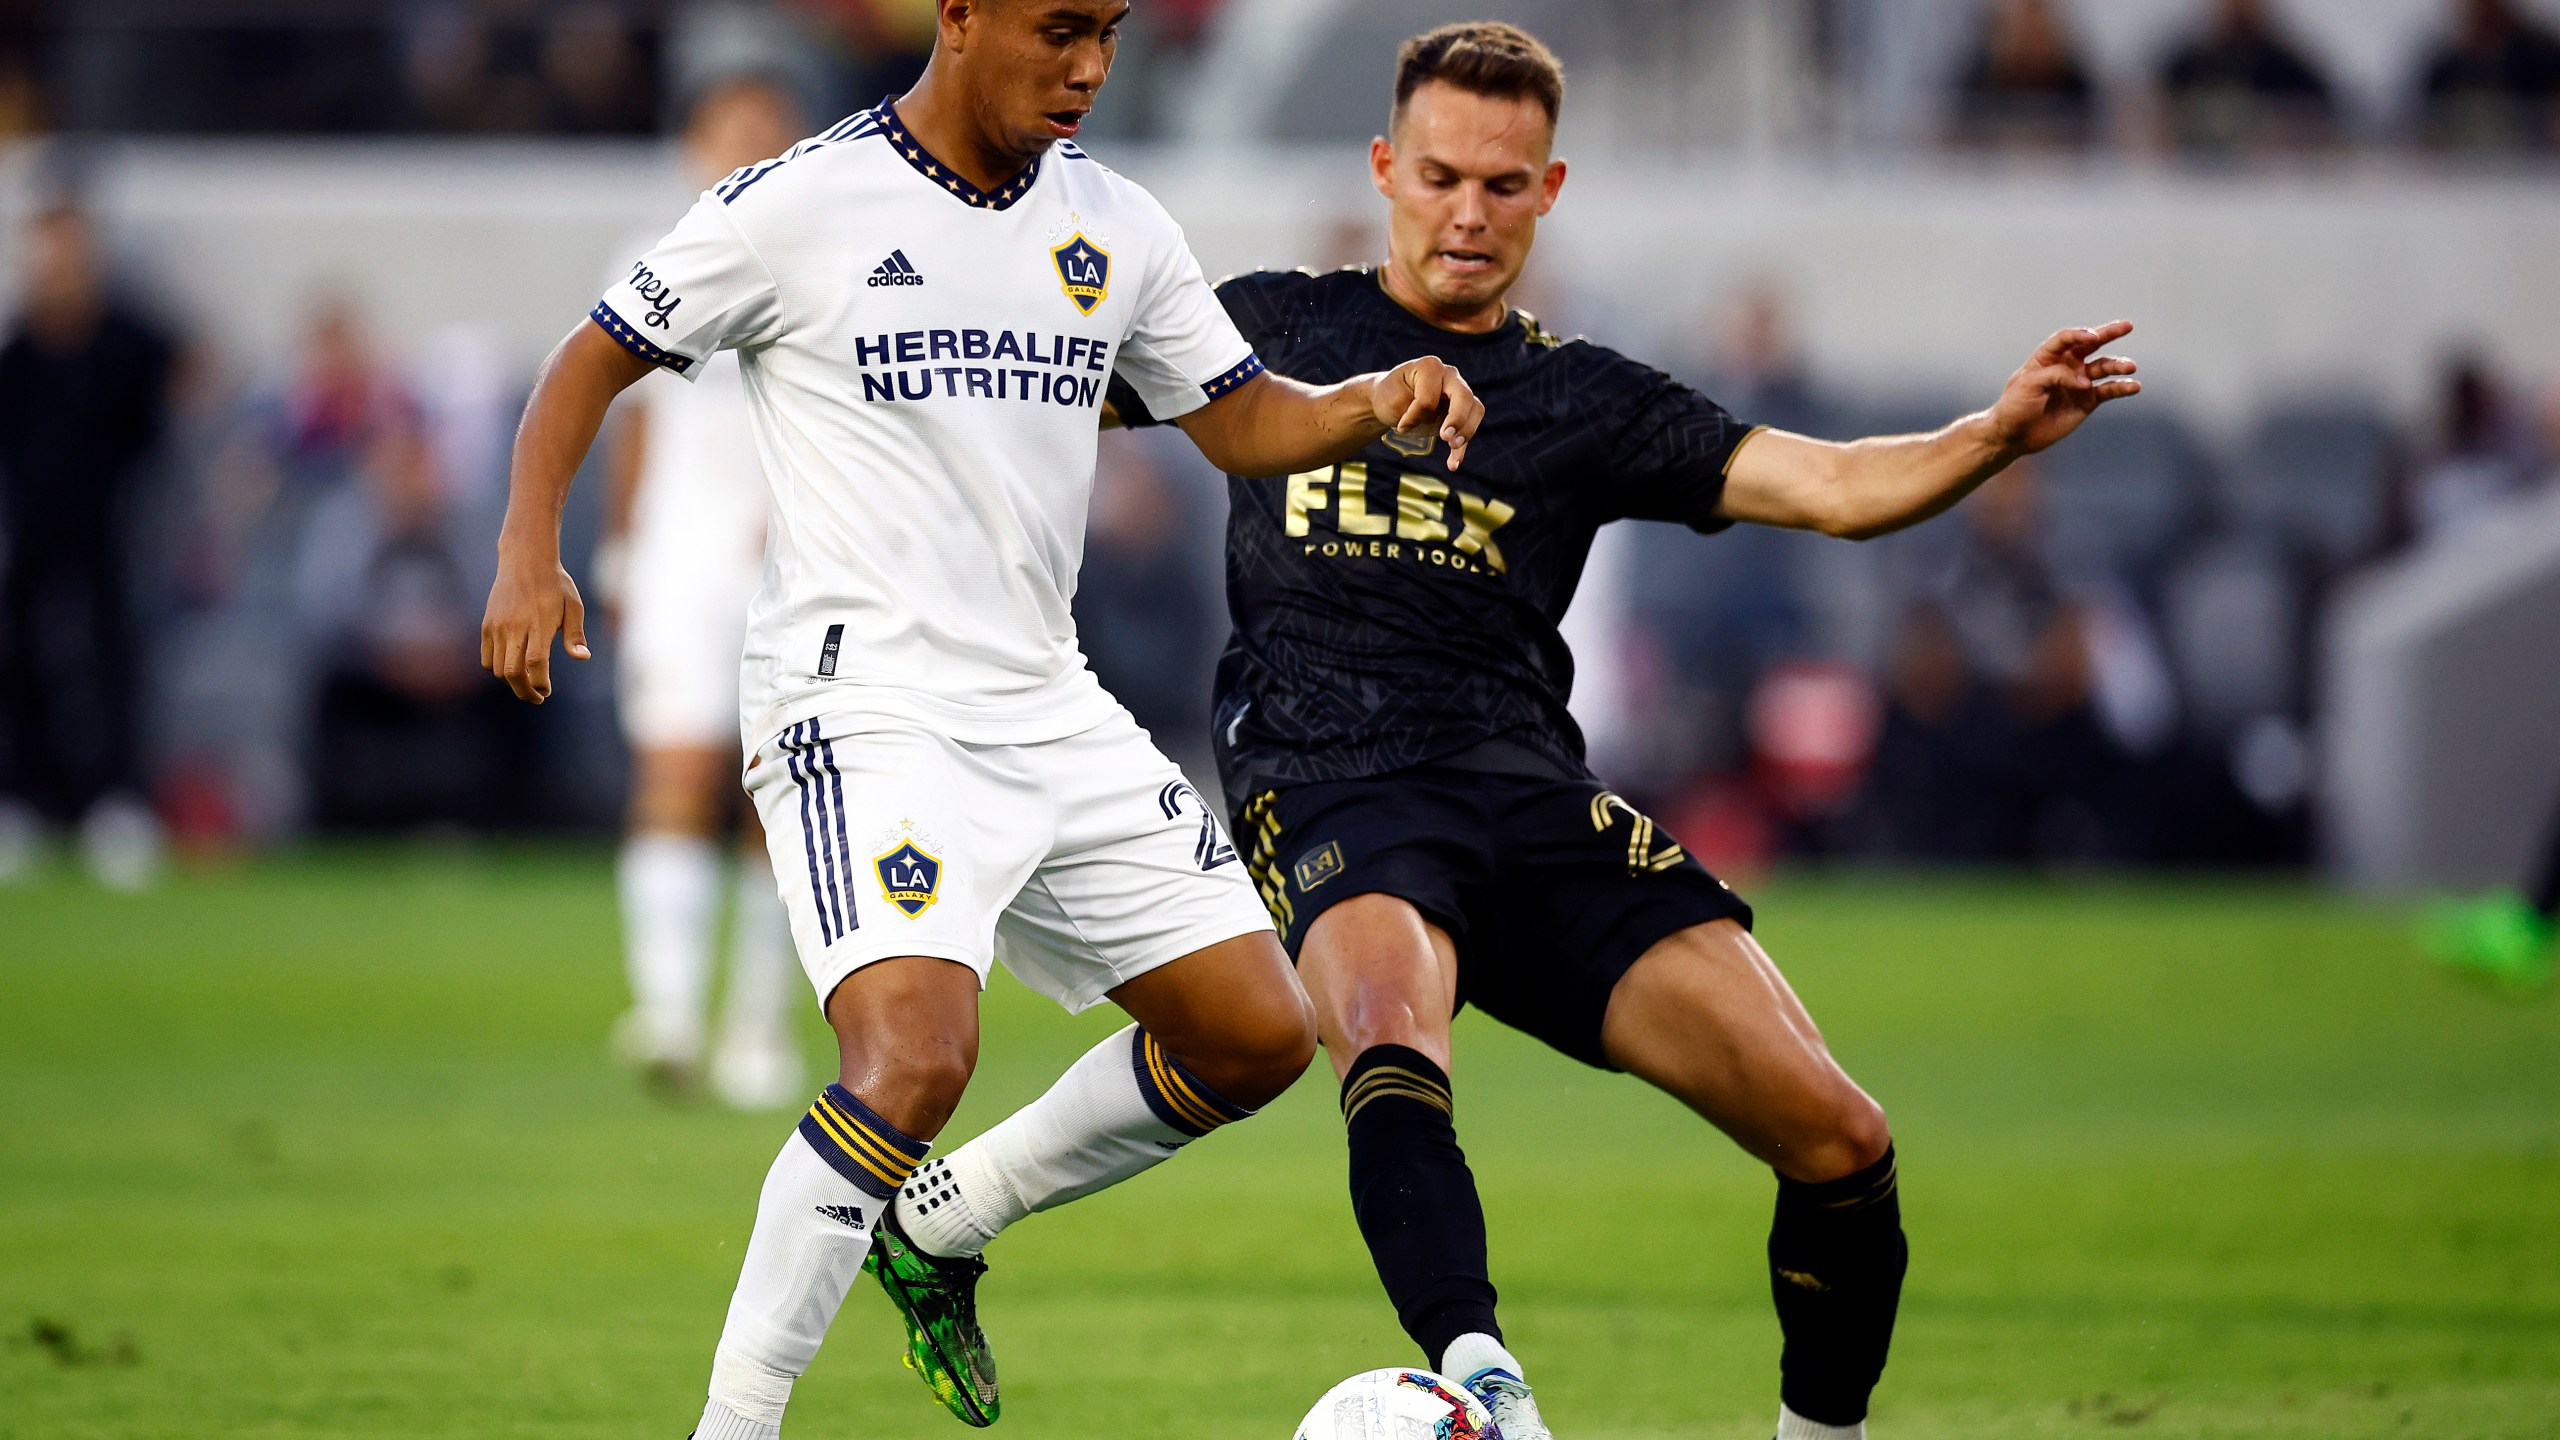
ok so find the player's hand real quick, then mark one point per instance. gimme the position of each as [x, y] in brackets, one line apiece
[1420, 396]
[2060, 386]
[533, 600]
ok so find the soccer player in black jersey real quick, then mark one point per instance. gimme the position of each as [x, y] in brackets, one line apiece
[1411, 794]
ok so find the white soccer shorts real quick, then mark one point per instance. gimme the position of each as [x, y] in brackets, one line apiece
[1082, 863]
[676, 671]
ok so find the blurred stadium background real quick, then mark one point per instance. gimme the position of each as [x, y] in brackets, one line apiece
[2216, 1155]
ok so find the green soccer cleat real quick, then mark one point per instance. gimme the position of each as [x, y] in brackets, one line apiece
[2497, 936]
[938, 1299]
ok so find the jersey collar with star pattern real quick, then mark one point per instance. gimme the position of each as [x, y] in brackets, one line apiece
[952, 181]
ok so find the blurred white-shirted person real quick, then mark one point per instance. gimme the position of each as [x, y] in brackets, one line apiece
[683, 554]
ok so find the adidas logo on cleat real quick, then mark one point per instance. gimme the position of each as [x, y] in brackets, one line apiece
[843, 1214]
[896, 270]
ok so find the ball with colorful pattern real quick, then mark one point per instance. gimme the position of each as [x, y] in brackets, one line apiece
[1398, 1404]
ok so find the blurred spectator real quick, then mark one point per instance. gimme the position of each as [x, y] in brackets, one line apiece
[527, 67]
[2242, 87]
[1183, 23]
[84, 393]
[1145, 607]
[2025, 88]
[389, 582]
[25, 34]
[1757, 370]
[2495, 86]
[332, 405]
[2476, 464]
[1991, 748]
[890, 40]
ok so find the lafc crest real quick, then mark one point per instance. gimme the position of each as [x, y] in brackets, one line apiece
[1084, 270]
[909, 877]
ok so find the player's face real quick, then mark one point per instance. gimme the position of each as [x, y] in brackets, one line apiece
[1466, 177]
[1032, 67]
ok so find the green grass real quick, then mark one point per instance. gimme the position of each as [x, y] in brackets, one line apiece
[331, 1148]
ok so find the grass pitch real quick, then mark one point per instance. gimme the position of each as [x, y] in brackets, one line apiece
[331, 1148]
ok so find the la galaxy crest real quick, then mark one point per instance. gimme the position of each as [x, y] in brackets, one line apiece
[910, 876]
[1084, 271]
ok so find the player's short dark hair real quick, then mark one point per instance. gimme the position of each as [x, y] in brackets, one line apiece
[1485, 57]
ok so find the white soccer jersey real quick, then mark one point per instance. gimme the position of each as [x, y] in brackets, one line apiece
[925, 366]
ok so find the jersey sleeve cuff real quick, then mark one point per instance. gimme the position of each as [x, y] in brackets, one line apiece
[631, 339]
[1245, 369]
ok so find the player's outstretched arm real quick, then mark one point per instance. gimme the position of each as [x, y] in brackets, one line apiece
[1872, 487]
[534, 598]
[1272, 425]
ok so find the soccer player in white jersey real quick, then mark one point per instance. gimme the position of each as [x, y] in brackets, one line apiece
[684, 530]
[926, 302]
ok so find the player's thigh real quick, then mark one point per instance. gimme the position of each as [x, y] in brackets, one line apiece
[1380, 974]
[1584, 887]
[889, 841]
[1368, 880]
[676, 669]
[1137, 873]
[1705, 1015]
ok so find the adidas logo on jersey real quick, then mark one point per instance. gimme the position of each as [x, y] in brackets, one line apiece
[843, 1214]
[896, 270]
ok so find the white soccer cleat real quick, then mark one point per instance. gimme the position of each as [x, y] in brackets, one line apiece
[1515, 1410]
[121, 841]
[761, 1074]
[664, 1054]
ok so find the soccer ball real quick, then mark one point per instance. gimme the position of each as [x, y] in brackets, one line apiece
[1398, 1405]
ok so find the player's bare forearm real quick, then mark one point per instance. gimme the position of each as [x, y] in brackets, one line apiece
[534, 599]
[1862, 488]
[1866, 488]
[1273, 425]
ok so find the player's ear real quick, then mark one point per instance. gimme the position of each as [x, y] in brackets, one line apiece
[1551, 185]
[952, 22]
[1382, 165]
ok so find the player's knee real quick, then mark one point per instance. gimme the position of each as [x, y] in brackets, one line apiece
[1260, 1052]
[1852, 1136]
[915, 1088]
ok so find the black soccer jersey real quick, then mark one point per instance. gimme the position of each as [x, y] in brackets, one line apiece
[1389, 611]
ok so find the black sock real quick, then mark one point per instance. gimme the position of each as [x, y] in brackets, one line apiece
[1415, 1198]
[1836, 1256]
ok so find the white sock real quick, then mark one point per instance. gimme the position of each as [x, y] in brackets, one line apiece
[1474, 1353]
[813, 1227]
[758, 1063]
[1123, 1108]
[760, 959]
[670, 888]
[1792, 1426]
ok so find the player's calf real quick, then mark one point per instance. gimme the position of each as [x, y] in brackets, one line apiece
[907, 1030]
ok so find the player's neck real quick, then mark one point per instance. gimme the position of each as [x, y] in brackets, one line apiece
[1480, 320]
[937, 114]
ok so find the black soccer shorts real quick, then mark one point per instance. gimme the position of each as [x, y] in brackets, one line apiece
[1551, 888]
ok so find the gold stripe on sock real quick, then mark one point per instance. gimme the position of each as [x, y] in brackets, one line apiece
[1883, 1187]
[858, 1142]
[874, 1142]
[1395, 1080]
[1182, 1101]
